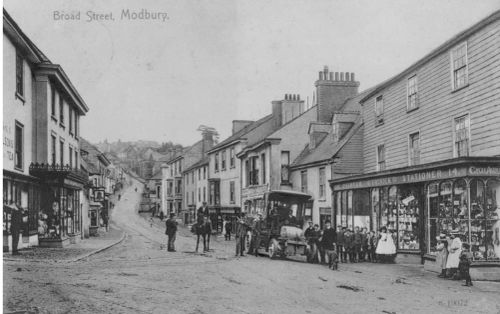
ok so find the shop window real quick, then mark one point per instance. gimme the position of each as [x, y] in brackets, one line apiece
[375, 203]
[379, 110]
[349, 218]
[343, 212]
[459, 66]
[389, 210]
[412, 93]
[414, 149]
[461, 136]
[381, 157]
[338, 201]
[361, 208]
[408, 217]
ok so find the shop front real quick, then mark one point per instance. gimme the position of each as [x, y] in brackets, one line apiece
[418, 203]
[218, 214]
[24, 192]
[60, 214]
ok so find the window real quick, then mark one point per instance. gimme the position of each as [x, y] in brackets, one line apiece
[231, 158]
[53, 148]
[223, 160]
[158, 191]
[462, 136]
[70, 118]
[61, 153]
[303, 181]
[76, 159]
[204, 172]
[18, 148]
[414, 149]
[53, 101]
[170, 188]
[178, 186]
[216, 163]
[204, 194]
[192, 197]
[412, 93]
[70, 155]
[231, 192]
[379, 110]
[381, 157]
[459, 66]
[285, 163]
[19, 75]
[199, 173]
[192, 177]
[322, 183]
[61, 109]
[77, 117]
[263, 166]
[199, 194]
[253, 171]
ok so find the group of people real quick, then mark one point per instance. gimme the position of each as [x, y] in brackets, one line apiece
[454, 257]
[350, 246]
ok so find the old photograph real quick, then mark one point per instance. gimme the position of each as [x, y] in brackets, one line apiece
[266, 156]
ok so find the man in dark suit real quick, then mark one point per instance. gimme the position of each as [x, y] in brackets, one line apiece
[202, 211]
[171, 225]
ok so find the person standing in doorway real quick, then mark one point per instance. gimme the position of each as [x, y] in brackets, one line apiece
[171, 231]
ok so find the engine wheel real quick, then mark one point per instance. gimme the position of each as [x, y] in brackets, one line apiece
[273, 249]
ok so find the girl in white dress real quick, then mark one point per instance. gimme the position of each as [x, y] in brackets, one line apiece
[386, 250]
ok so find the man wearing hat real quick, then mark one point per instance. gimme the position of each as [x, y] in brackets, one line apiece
[442, 255]
[171, 225]
[454, 250]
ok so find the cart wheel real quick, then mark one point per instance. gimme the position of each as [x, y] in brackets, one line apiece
[273, 249]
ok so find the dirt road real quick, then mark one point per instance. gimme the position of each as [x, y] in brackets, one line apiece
[140, 276]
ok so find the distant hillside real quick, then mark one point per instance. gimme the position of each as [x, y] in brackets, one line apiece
[143, 157]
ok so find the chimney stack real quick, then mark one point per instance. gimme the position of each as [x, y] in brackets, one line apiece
[333, 89]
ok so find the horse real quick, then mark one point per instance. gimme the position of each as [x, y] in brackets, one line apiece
[203, 228]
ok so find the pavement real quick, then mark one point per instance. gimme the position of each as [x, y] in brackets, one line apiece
[72, 253]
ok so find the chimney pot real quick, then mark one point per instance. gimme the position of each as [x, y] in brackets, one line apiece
[352, 76]
[347, 76]
[320, 76]
[294, 97]
[325, 70]
[331, 76]
[342, 76]
[336, 76]
[298, 97]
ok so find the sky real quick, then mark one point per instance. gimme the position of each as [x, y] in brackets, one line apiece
[215, 61]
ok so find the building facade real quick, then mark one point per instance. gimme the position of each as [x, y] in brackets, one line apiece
[53, 134]
[431, 156]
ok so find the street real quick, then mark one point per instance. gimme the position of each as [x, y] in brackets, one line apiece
[139, 276]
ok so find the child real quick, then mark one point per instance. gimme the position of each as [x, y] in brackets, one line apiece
[464, 264]
[372, 245]
[333, 260]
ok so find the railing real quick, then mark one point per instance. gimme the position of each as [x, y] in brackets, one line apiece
[42, 169]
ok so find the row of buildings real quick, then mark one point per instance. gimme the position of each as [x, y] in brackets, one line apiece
[58, 179]
[418, 153]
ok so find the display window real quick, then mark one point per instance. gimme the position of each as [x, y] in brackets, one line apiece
[408, 204]
[62, 218]
[375, 209]
[469, 207]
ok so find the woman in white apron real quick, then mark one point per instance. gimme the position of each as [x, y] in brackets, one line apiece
[454, 250]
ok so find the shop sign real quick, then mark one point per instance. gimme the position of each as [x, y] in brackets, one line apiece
[8, 147]
[422, 176]
[253, 191]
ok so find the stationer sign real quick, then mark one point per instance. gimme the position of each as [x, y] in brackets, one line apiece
[421, 176]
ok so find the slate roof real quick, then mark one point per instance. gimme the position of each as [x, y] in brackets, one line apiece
[244, 131]
[201, 162]
[92, 158]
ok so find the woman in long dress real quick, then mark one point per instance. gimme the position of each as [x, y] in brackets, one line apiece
[454, 250]
[386, 249]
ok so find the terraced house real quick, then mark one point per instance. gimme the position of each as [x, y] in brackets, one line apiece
[431, 152]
